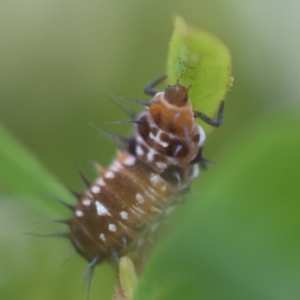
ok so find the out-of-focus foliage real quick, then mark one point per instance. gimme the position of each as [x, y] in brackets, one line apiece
[59, 58]
[23, 175]
[242, 241]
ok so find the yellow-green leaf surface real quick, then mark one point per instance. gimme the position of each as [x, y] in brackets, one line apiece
[239, 238]
[24, 177]
[198, 58]
[128, 276]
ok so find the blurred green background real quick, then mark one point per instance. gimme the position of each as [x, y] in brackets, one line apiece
[57, 61]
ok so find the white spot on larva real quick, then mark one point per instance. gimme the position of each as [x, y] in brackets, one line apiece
[157, 139]
[139, 150]
[116, 166]
[139, 139]
[129, 161]
[86, 202]
[109, 174]
[176, 117]
[124, 215]
[100, 181]
[102, 237]
[202, 136]
[154, 178]
[152, 136]
[95, 189]
[101, 209]
[139, 198]
[112, 227]
[150, 154]
[79, 213]
[164, 144]
[195, 172]
[161, 165]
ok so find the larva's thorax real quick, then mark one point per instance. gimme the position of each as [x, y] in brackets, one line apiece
[170, 115]
[169, 129]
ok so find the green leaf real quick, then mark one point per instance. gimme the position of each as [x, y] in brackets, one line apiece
[240, 238]
[199, 59]
[23, 176]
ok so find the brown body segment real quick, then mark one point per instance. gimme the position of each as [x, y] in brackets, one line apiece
[126, 202]
[118, 215]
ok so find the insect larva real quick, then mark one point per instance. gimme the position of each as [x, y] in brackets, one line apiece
[156, 165]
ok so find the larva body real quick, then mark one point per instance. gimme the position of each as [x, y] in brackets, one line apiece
[125, 204]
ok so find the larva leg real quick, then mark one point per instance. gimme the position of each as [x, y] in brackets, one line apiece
[115, 255]
[210, 121]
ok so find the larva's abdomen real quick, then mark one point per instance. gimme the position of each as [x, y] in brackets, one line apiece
[118, 209]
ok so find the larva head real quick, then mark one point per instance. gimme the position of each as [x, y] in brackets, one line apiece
[177, 95]
[172, 110]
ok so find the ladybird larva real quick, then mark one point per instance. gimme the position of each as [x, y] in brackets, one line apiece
[156, 164]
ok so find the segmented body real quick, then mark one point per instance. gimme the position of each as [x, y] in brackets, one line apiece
[126, 203]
